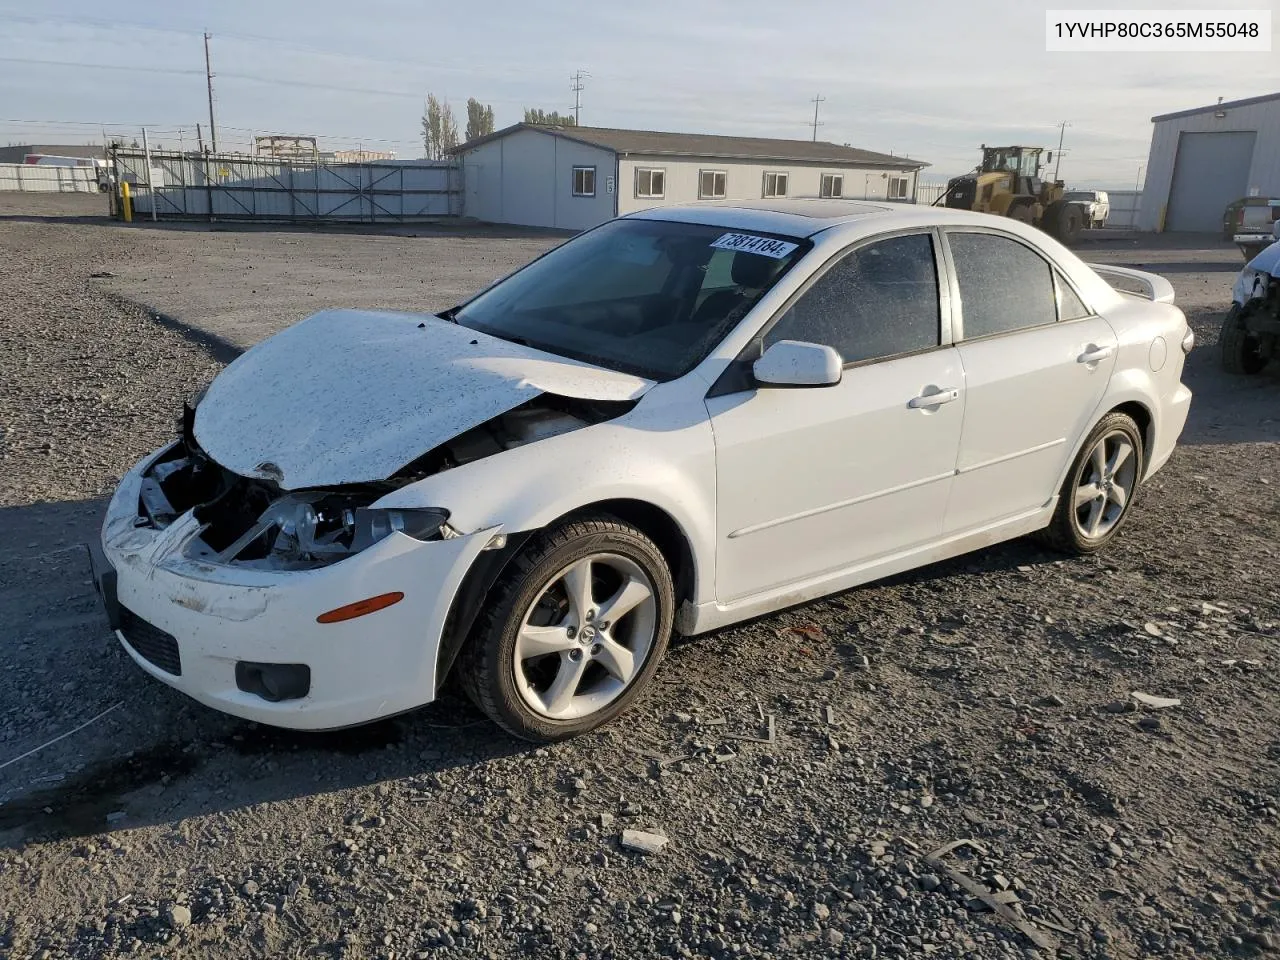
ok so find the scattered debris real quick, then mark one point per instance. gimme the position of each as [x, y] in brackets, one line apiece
[642, 842]
[1155, 703]
[999, 905]
[49, 743]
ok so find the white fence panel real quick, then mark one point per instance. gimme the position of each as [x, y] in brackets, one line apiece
[44, 178]
[1124, 208]
[927, 193]
[253, 188]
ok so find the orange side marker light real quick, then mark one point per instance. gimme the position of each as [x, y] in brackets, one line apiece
[360, 608]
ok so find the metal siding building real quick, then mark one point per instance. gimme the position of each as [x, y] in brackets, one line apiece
[1203, 159]
[524, 174]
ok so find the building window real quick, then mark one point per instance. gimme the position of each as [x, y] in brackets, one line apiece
[584, 181]
[898, 187]
[651, 182]
[832, 185]
[775, 185]
[711, 184]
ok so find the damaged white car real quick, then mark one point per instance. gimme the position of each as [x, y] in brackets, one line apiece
[1251, 331]
[678, 420]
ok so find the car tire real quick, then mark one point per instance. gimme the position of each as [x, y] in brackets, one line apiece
[1241, 351]
[1063, 221]
[543, 669]
[1083, 524]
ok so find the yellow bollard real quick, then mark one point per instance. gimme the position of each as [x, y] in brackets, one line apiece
[126, 203]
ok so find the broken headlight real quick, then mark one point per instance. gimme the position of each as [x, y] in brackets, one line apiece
[312, 529]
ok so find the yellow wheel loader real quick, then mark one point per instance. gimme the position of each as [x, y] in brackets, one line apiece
[1008, 184]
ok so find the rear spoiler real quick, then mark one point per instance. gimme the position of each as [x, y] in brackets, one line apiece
[1148, 285]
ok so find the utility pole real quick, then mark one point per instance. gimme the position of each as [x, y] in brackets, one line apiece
[816, 100]
[1057, 158]
[577, 86]
[208, 79]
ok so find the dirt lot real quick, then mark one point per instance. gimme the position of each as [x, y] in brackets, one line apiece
[985, 698]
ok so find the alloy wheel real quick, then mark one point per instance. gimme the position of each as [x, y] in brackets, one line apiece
[1105, 485]
[585, 637]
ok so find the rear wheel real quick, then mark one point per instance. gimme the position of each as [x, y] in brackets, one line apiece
[1097, 495]
[1241, 350]
[573, 632]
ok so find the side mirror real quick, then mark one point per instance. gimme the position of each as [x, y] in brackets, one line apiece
[791, 363]
[1275, 229]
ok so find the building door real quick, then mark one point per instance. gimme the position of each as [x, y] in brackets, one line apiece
[1209, 171]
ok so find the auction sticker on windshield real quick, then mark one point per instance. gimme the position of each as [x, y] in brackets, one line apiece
[765, 246]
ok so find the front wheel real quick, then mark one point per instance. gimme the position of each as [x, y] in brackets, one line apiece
[1098, 494]
[1241, 350]
[573, 631]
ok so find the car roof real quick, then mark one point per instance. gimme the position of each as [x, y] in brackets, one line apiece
[806, 218]
[795, 218]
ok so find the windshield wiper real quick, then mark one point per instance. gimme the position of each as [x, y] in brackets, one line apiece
[451, 314]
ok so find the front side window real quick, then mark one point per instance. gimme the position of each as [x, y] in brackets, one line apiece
[711, 184]
[775, 185]
[648, 297]
[832, 185]
[651, 182]
[1004, 285]
[880, 300]
[584, 181]
[899, 187]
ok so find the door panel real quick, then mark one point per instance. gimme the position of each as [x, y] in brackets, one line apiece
[1028, 401]
[813, 480]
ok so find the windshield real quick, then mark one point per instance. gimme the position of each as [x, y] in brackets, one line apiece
[1079, 195]
[648, 297]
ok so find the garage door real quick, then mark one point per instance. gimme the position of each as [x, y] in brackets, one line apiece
[1210, 171]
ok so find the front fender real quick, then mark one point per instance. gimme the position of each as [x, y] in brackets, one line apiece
[633, 458]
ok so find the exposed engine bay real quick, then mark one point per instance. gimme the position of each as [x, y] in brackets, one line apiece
[252, 522]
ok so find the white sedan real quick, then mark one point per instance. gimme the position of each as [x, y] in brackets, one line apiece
[680, 419]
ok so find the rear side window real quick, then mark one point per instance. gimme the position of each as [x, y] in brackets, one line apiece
[880, 300]
[1004, 286]
[1070, 306]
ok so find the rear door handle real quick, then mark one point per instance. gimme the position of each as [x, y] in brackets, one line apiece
[937, 398]
[1093, 353]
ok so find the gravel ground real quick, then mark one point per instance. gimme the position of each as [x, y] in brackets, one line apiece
[985, 699]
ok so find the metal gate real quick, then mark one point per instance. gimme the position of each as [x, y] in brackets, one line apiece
[237, 187]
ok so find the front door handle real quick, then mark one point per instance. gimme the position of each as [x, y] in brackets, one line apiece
[1093, 353]
[934, 397]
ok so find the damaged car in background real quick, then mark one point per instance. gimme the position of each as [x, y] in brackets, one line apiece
[681, 419]
[1251, 331]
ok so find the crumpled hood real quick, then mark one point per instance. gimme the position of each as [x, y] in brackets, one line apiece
[351, 396]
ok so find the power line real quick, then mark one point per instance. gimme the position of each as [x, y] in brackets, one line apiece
[97, 66]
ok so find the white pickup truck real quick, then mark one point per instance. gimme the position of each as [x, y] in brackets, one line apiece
[1095, 203]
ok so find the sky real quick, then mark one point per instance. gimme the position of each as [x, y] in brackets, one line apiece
[931, 79]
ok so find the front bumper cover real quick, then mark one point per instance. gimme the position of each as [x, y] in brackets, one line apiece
[220, 616]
